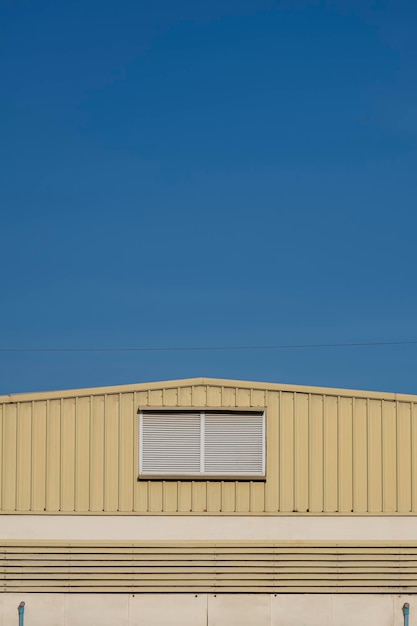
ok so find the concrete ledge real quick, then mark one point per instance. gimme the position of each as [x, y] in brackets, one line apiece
[206, 610]
[198, 528]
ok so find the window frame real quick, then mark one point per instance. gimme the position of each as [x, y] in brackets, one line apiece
[206, 476]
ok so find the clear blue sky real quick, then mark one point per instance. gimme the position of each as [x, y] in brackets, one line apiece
[232, 172]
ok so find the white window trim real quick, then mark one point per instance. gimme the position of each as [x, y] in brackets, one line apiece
[202, 475]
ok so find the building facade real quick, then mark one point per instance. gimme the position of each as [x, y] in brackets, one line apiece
[209, 502]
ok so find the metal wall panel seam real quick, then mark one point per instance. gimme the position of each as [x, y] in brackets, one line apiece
[16, 485]
[367, 455]
[294, 455]
[397, 472]
[76, 451]
[336, 481]
[413, 460]
[105, 482]
[1, 456]
[353, 453]
[135, 445]
[61, 402]
[120, 454]
[90, 456]
[33, 486]
[323, 481]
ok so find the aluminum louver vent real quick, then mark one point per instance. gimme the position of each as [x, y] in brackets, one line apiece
[171, 443]
[233, 444]
[178, 443]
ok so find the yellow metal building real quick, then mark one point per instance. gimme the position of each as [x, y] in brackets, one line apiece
[210, 502]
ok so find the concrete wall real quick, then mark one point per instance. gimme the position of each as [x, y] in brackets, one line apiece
[208, 528]
[206, 610]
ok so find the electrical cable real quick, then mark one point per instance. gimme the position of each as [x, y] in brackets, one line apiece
[303, 346]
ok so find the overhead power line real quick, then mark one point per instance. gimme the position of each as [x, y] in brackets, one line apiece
[358, 344]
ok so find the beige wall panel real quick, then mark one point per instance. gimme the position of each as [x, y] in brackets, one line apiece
[362, 610]
[155, 397]
[184, 396]
[184, 527]
[95, 610]
[170, 397]
[271, 490]
[170, 496]
[128, 451]
[286, 452]
[142, 398]
[345, 452]
[82, 454]
[214, 496]
[257, 497]
[214, 396]
[228, 497]
[141, 489]
[68, 455]
[243, 397]
[42, 609]
[184, 497]
[301, 453]
[228, 396]
[1, 456]
[9, 456]
[38, 487]
[389, 457]
[316, 454]
[325, 453]
[24, 456]
[305, 610]
[190, 609]
[242, 497]
[374, 456]
[257, 398]
[360, 455]
[404, 456]
[168, 610]
[414, 457]
[330, 464]
[113, 419]
[237, 610]
[199, 496]
[155, 496]
[53, 455]
[97, 454]
[199, 395]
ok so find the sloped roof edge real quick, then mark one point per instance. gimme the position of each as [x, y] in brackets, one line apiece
[187, 382]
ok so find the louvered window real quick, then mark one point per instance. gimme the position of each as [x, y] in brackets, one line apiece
[201, 443]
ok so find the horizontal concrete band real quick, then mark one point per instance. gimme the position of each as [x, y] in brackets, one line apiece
[56, 609]
[202, 528]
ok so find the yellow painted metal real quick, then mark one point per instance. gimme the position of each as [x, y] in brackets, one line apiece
[316, 447]
[360, 454]
[173, 567]
[53, 455]
[38, 456]
[328, 451]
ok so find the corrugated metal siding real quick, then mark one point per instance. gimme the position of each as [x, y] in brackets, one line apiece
[330, 453]
[204, 567]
